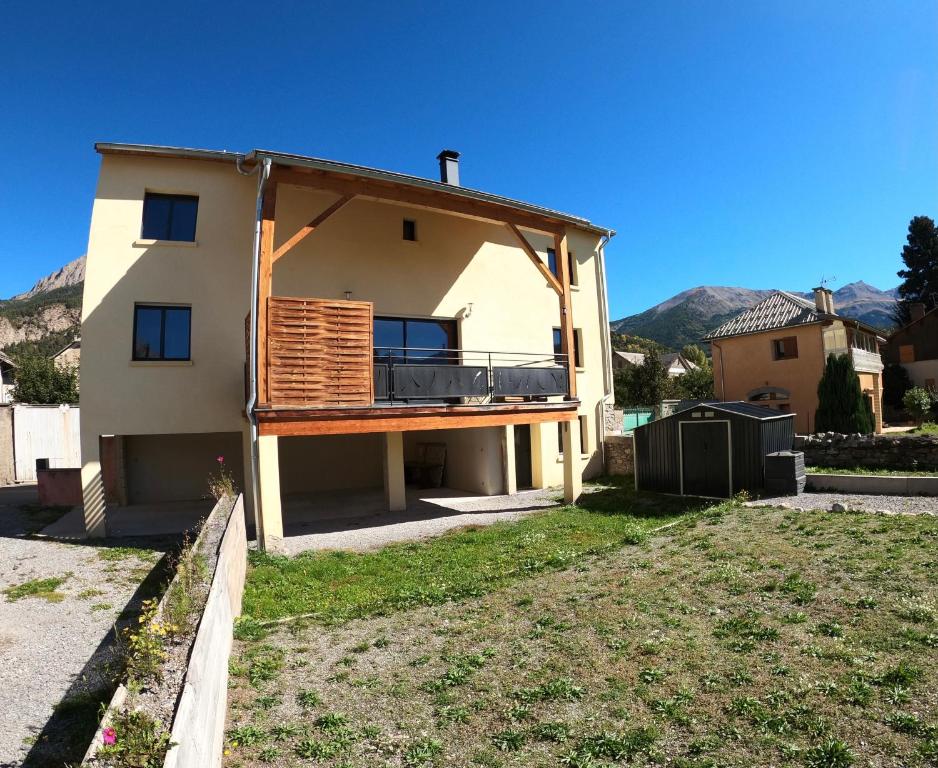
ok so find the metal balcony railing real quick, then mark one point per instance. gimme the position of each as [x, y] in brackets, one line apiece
[420, 374]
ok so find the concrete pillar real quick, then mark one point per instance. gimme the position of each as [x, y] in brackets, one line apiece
[508, 456]
[572, 472]
[92, 487]
[270, 529]
[395, 492]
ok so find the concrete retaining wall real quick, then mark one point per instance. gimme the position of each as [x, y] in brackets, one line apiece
[889, 485]
[918, 452]
[620, 457]
[199, 725]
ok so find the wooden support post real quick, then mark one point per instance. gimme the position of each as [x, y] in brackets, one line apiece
[265, 288]
[537, 260]
[572, 473]
[307, 230]
[395, 491]
[566, 310]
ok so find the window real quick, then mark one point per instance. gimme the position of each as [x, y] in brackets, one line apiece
[410, 340]
[571, 267]
[785, 349]
[161, 333]
[584, 437]
[552, 262]
[169, 217]
[558, 347]
[410, 230]
[906, 353]
[560, 438]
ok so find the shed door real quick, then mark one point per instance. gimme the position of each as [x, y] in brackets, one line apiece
[705, 458]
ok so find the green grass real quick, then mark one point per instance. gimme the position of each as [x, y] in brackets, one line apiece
[868, 471]
[737, 637]
[44, 589]
[928, 428]
[338, 586]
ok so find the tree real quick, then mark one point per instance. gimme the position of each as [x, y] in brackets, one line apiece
[695, 384]
[38, 380]
[695, 354]
[842, 407]
[642, 385]
[918, 402]
[920, 278]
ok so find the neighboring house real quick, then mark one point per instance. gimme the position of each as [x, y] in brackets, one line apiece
[673, 362]
[774, 354]
[69, 355]
[7, 373]
[399, 317]
[915, 347]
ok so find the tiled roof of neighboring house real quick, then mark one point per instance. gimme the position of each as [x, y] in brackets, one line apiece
[932, 311]
[76, 342]
[671, 358]
[635, 358]
[777, 311]
[6, 360]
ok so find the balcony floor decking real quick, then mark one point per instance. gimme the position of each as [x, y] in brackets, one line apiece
[399, 417]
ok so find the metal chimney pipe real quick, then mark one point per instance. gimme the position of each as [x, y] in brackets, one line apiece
[449, 166]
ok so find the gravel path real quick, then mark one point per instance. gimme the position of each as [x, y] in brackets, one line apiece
[432, 515]
[893, 505]
[58, 647]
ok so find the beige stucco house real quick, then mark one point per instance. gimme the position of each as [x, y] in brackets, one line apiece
[774, 354]
[70, 355]
[397, 318]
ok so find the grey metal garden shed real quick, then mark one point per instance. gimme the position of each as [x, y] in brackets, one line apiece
[710, 449]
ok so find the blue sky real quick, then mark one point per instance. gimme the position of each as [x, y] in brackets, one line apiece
[763, 144]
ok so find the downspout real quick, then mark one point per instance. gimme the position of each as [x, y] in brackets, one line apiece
[604, 298]
[714, 345]
[264, 173]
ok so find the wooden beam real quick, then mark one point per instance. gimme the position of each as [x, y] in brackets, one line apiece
[311, 227]
[428, 198]
[328, 422]
[538, 261]
[566, 310]
[264, 288]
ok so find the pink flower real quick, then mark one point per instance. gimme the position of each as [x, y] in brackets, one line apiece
[109, 736]
[220, 459]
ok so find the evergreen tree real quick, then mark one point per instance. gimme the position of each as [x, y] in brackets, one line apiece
[920, 278]
[842, 407]
[695, 354]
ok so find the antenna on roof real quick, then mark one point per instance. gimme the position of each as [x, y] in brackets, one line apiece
[825, 281]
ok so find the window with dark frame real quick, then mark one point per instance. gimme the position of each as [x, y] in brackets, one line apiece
[552, 262]
[415, 340]
[560, 438]
[571, 267]
[169, 217]
[584, 438]
[410, 230]
[785, 349]
[558, 348]
[162, 332]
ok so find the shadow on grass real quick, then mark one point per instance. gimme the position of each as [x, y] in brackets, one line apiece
[617, 496]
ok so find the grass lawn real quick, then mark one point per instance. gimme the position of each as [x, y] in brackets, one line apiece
[738, 637]
[868, 471]
[928, 428]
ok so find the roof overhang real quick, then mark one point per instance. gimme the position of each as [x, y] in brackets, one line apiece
[287, 160]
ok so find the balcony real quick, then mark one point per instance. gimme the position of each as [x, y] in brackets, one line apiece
[864, 361]
[319, 372]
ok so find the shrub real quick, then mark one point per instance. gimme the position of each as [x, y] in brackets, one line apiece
[134, 740]
[918, 402]
[40, 381]
[221, 485]
[841, 404]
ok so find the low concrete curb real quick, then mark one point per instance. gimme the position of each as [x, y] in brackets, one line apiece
[885, 485]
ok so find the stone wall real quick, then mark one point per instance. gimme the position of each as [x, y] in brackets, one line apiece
[619, 455]
[916, 452]
[612, 419]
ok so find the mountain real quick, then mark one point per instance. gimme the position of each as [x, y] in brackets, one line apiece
[47, 316]
[686, 317]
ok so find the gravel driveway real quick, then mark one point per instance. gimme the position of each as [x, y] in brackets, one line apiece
[897, 505]
[55, 639]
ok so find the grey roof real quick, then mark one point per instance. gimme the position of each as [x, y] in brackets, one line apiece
[635, 358]
[735, 406]
[670, 358]
[779, 310]
[6, 360]
[285, 158]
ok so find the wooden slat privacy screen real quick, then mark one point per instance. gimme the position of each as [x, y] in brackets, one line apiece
[320, 352]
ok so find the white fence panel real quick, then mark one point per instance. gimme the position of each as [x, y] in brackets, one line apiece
[45, 432]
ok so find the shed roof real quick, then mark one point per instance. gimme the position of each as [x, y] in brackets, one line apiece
[738, 407]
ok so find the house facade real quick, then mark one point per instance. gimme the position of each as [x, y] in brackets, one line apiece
[673, 362]
[915, 347]
[70, 355]
[7, 375]
[774, 354]
[320, 324]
